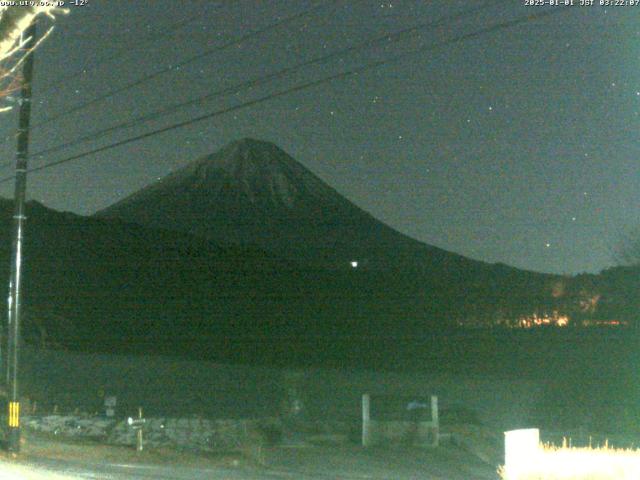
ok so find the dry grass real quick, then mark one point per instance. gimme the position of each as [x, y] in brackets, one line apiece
[588, 463]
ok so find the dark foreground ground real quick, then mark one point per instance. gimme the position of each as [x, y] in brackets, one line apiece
[43, 458]
[584, 381]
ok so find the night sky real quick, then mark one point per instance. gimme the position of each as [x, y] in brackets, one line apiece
[517, 146]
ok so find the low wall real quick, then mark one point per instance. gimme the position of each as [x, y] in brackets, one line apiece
[416, 433]
[180, 433]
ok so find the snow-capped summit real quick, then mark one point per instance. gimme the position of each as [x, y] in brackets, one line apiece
[252, 192]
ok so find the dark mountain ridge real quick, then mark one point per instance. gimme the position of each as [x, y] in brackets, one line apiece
[107, 285]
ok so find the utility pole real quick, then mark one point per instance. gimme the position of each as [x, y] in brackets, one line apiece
[15, 300]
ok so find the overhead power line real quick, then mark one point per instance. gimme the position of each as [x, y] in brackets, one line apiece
[121, 52]
[304, 86]
[386, 39]
[194, 58]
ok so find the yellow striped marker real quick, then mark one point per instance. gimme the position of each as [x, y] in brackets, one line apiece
[14, 414]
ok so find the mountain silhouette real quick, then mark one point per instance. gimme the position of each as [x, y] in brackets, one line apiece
[251, 192]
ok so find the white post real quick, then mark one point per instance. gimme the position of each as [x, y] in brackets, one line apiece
[521, 449]
[139, 445]
[435, 420]
[366, 420]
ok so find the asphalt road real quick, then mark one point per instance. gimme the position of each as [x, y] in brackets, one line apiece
[47, 469]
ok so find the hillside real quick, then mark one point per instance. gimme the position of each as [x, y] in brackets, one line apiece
[106, 285]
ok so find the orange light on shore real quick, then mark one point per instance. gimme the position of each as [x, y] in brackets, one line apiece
[536, 320]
